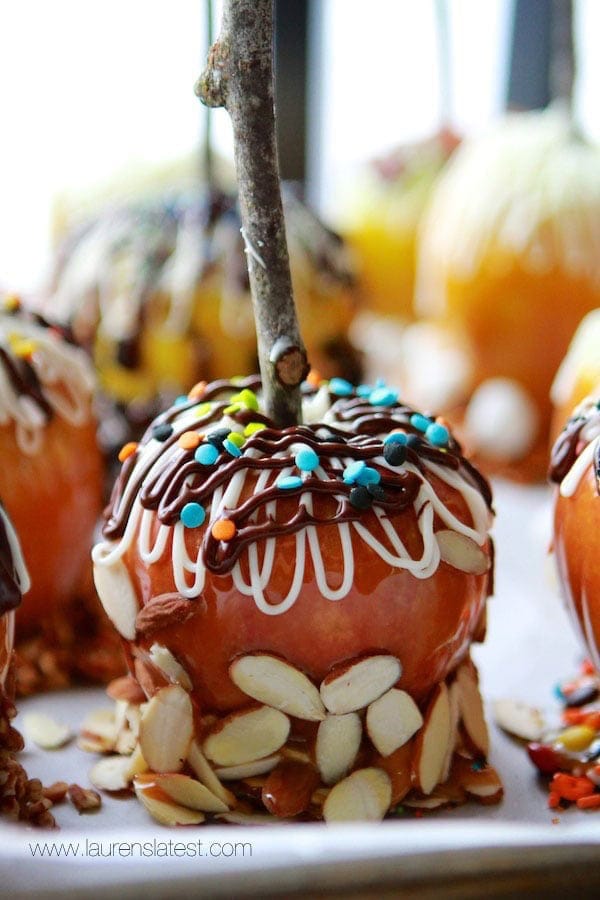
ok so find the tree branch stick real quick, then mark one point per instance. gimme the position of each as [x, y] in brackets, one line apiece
[239, 77]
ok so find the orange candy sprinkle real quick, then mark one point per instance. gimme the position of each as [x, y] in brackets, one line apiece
[591, 801]
[587, 667]
[127, 450]
[314, 378]
[553, 800]
[223, 530]
[197, 392]
[189, 440]
[571, 787]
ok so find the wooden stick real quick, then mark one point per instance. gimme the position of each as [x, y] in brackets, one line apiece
[239, 77]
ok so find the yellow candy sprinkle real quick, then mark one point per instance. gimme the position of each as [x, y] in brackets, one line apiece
[252, 427]
[23, 347]
[576, 738]
[203, 410]
[11, 302]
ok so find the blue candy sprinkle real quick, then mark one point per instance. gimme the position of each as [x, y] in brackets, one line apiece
[192, 515]
[396, 437]
[383, 396]
[340, 387]
[231, 448]
[288, 482]
[421, 423]
[437, 434]
[352, 471]
[206, 454]
[558, 692]
[380, 383]
[179, 401]
[364, 390]
[368, 476]
[306, 459]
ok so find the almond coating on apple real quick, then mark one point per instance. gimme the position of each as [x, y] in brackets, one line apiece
[297, 570]
[575, 468]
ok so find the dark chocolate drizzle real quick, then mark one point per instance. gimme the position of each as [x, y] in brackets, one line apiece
[181, 479]
[570, 443]
[10, 587]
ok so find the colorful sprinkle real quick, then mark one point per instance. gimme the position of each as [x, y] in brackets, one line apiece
[248, 398]
[437, 434]
[394, 454]
[206, 455]
[233, 409]
[12, 302]
[340, 387]
[253, 427]
[414, 441]
[376, 491]
[231, 448]
[360, 497]
[383, 396]
[289, 482]
[127, 450]
[192, 515]
[197, 392]
[576, 738]
[314, 378]
[203, 410]
[368, 476]
[352, 471]
[217, 437]
[421, 423]
[181, 400]
[306, 459]
[396, 437]
[23, 347]
[162, 432]
[364, 390]
[189, 440]
[223, 530]
[236, 438]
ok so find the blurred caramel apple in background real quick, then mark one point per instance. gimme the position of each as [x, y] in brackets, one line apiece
[509, 263]
[579, 373]
[382, 221]
[157, 289]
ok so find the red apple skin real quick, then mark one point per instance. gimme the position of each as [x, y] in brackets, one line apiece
[577, 553]
[427, 623]
[54, 498]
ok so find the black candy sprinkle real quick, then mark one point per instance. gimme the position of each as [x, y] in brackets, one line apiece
[217, 437]
[580, 696]
[414, 441]
[376, 491]
[395, 454]
[162, 432]
[360, 497]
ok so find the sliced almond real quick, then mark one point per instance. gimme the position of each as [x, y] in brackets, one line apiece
[164, 660]
[392, 720]
[248, 770]
[164, 811]
[137, 763]
[471, 708]
[481, 782]
[275, 682]
[184, 790]
[364, 796]
[166, 729]
[519, 719]
[243, 818]
[246, 736]
[354, 685]
[112, 773]
[101, 724]
[432, 741]
[454, 701]
[126, 688]
[461, 552]
[337, 745]
[296, 754]
[45, 731]
[117, 595]
[205, 773]
[433, 801]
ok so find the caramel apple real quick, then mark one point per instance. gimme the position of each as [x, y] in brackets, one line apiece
[304, 594]
[51, 484]
[579, 373]
[575, 467]
[21, 798]
[508, 263]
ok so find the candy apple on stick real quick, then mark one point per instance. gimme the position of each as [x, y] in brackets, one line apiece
[297, 600]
